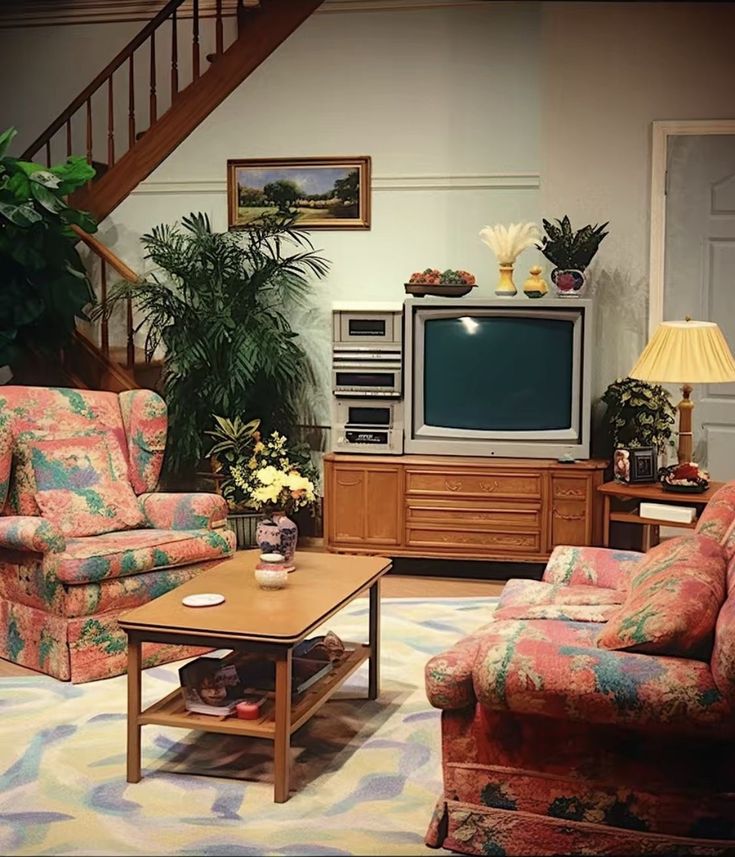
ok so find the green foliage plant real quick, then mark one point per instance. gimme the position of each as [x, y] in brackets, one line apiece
[234, 440]
[44, 286]
[218, 307]
[638, 414]
[567, 249]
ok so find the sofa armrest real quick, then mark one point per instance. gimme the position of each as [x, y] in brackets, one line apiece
[554, 669]
[30, 533]
[604, 567]
[198, 511]
[448, 676]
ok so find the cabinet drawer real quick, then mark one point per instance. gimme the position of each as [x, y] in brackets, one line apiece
[437, 537]
[479, 514]
[569, 488]
[486, 484]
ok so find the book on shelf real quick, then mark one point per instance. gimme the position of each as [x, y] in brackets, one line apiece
[214, 683]
[667, 512]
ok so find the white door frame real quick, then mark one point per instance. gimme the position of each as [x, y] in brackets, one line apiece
[659, 152]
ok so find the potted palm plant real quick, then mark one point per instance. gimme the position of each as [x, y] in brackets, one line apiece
[218, 308]
[570, 252]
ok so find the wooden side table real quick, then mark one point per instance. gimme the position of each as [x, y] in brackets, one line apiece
[614, 492]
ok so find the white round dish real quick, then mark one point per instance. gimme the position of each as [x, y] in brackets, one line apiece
[203, 599]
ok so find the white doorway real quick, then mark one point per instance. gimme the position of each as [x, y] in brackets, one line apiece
[693, 260]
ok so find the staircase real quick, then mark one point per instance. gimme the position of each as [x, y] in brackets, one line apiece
[131, 117]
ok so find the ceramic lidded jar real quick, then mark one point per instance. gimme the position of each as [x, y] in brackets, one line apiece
[270, 572]
[288, 536]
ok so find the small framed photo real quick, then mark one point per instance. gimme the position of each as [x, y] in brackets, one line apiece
[643, 464]
[323, 193]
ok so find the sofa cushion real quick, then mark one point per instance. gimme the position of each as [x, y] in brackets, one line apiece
[717, 517]
[79, 486]
[133, 551]
[673, 601]
[23, 487]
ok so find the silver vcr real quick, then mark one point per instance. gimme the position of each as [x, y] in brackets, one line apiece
[367, 378]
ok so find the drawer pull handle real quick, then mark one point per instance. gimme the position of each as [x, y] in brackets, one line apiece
[569, 492]
[580, 517]
[489, 487]
[344, 484]
[453, 486]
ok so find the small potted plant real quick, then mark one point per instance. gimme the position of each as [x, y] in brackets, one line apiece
[570, 252]
[638, 415]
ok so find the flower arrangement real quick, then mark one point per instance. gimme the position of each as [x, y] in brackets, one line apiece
[508, 242]
[275, 477]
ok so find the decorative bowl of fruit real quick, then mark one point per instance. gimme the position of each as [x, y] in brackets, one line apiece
[434, 282]
[685, 478]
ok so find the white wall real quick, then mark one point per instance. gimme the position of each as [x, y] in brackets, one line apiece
[445, 101]
[609, 71]
[498, 112]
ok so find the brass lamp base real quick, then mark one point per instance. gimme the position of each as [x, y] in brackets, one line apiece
[685, 408]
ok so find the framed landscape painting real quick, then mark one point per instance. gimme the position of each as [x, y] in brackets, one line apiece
[324, 193]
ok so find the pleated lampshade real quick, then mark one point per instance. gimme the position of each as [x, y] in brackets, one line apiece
[686, 352]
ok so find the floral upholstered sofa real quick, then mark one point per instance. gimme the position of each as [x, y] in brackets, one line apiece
[595, 713]
[84, 535]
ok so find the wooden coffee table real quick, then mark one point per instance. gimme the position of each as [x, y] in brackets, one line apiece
[253, 620]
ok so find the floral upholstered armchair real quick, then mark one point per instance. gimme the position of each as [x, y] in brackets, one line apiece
[84, 535]
[595, 713]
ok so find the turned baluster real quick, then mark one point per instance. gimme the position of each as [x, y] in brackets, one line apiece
[220, 38]
[130, 363]
[195, 40]
[131, 102]
[68, 137]
[89, 131]
[110, 124]
[174, 56]
[105, 325]
[153, 108]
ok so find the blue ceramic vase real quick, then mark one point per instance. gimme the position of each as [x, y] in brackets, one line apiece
[268, 536]
[289, 534]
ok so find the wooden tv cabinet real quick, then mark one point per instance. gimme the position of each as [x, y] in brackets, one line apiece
[506, 509]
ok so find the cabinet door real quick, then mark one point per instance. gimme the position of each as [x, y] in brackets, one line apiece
[571, 511]
[365, 505]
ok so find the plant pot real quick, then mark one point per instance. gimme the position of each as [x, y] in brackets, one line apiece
[569, 282]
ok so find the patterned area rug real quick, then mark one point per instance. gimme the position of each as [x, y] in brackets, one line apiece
[365, 775]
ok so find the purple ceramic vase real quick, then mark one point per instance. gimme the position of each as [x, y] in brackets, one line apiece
[268, 536]
[289, 534]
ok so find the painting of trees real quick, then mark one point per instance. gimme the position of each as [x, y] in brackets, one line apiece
[319, 192]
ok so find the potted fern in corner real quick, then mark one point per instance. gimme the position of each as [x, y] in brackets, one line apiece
[218, 309]
[570, 252]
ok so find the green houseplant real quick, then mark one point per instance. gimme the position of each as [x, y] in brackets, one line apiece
[570, 252]
[218, 307]
[638, 414]
[44, 284]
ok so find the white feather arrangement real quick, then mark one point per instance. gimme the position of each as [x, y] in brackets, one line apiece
[507, 242]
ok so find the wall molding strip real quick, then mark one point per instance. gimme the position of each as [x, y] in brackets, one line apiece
[490, 181]
[45, 13]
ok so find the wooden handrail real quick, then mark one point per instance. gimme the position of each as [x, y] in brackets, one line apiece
[107, 255]
[109, 69]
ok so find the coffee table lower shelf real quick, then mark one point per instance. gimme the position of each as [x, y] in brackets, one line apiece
[170, 710]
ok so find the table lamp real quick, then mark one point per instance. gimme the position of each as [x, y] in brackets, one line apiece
[685, 352]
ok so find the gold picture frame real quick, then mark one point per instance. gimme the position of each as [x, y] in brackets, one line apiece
[326, 193]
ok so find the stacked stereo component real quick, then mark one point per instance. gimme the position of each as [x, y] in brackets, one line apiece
[367, 378]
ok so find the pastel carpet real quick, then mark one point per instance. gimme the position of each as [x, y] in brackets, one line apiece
[365, 775]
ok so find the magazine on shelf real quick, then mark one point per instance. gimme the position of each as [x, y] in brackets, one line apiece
[214, 683]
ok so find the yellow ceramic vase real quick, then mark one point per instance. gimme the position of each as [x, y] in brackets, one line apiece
[506, 287]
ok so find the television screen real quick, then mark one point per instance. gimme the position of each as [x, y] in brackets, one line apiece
[499, 372]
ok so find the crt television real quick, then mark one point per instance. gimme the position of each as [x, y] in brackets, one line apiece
[498, 377]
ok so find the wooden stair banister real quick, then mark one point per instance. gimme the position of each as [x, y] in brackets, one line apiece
[84, 360]
[102, 78]
[194, 103]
